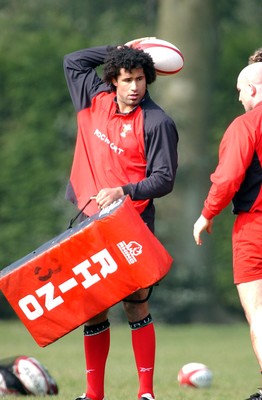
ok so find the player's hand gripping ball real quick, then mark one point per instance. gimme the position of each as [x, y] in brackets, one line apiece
[195, 375]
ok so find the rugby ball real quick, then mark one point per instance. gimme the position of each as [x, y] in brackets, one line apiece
[10, 384]
[34, 376]
[167, 58]
[195, 375]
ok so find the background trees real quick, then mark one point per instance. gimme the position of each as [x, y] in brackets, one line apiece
[38, 127]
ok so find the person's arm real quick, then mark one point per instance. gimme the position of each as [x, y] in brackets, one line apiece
[161, 141]
[80, 72]
[235, 154]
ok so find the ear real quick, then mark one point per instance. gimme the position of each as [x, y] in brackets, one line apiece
[253, 89]
[114, 82]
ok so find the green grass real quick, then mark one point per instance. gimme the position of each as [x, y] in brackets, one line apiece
[226, 349]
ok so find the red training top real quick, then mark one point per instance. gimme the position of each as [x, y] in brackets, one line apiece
[238, 175]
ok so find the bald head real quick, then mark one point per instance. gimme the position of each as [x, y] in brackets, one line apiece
[252, 73]
[249, 85]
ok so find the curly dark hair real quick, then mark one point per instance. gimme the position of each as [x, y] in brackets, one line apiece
[256, 56]
[127, 58]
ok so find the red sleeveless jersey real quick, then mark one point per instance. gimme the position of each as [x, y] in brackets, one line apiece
[109, 151]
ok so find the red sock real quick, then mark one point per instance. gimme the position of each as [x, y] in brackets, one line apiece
[96, 352]
[144, 346]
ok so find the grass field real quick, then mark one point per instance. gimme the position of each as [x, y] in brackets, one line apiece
[225, 349]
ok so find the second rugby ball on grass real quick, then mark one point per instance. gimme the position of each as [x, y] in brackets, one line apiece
[195, 375]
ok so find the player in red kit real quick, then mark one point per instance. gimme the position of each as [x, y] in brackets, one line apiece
[126, 145]
[238, 178]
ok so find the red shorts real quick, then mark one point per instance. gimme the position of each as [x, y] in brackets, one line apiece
[247, 247]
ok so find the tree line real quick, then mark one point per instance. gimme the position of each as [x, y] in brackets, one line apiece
[38, 129]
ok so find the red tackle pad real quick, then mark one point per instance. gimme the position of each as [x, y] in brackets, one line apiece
[84, 271]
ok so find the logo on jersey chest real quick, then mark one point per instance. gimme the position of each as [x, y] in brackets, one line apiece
[126, 128]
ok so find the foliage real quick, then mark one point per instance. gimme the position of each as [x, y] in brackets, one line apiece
[37, 117]
[38, 126]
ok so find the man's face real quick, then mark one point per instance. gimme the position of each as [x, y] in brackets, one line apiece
[130, 88]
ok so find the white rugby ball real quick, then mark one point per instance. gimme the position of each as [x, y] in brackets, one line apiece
[168, 59]
[32, 375]
[195, 375]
